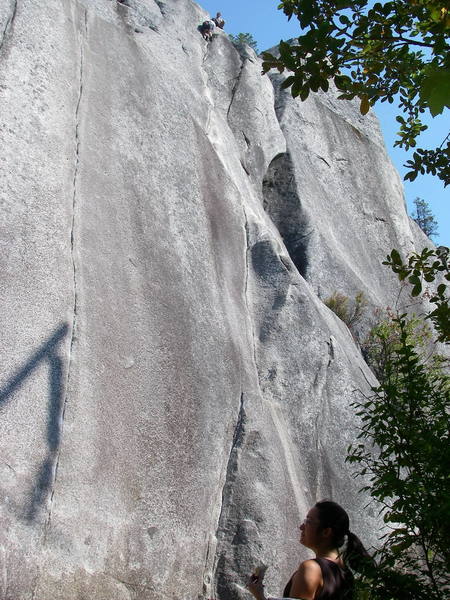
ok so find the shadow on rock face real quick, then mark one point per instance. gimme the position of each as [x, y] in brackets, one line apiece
[274, 275]
[48, 353]
[283, 204]
[224, 581]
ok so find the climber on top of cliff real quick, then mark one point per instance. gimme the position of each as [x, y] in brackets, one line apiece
[206, 29]
[219, 22]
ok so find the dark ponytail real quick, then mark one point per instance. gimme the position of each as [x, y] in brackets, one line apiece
[332, 515]
[355, 555]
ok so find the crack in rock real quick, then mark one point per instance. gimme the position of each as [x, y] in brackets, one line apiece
[243, 165]
[9, 24]
[247, 267]
[324, 160]
[330, 351]
[238, 436]
[231, 470]
[83, 36]
[206, 576]
[235, 87]
[320, 379]
[161, 6]
[207, 90]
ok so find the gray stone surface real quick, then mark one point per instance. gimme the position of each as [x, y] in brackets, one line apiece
[174, 394]
[343, 193]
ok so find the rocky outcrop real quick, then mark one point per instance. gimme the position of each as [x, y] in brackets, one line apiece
[174, 394]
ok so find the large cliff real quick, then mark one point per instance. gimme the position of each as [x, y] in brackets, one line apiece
[174, 394]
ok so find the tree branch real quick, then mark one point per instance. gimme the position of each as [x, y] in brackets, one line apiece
[448, 136]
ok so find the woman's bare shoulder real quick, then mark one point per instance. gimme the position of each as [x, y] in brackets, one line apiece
[309, 572]
[309, 568]
[310, 565]
[306, 580]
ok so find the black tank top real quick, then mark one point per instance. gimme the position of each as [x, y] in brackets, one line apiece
[337, 582]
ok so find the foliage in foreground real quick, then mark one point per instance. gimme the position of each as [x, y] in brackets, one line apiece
[384, 340]
[427, 266]
[388, 51]
[404, 449]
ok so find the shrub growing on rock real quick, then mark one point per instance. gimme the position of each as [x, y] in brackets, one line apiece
[349, 311]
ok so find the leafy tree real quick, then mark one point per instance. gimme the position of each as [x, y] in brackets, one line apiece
[242, 39]
[406, 420]
[384, 340]
[425, 218]
[404, 449]
[427, 266]
[390, 51]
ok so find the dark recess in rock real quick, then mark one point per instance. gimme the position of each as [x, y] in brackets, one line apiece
[223, 588]
[226, 525]
[161, 6]
[283, 204]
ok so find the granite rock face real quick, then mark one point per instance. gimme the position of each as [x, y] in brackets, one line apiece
[174, 394]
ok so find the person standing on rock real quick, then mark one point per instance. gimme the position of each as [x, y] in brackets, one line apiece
[219, 22]
[328, 576]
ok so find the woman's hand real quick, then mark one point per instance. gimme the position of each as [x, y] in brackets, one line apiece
[256, 587]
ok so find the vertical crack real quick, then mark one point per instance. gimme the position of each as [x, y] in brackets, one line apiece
[206, 579]
[9, 24]
[319, 386]
[247, 248]
[231, 471]
[207, 92]
[330, 345]
[238, 436]
[83, 36]
[239, 429]
[235, 86]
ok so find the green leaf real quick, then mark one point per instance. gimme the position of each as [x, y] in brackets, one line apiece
[395, 257]
[365, 105]
[306, 14]
[342, 81]
[304, 94]
[286, 55]
[296, 88]
[324, 84]
[314, 83]
[435, 89]
[288, 82]
[416, 290]
[344, 20]
[411, 176]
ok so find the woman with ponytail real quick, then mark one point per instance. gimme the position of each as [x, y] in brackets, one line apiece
[328, 576]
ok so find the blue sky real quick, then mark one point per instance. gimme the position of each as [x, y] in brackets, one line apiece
[268, 25]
